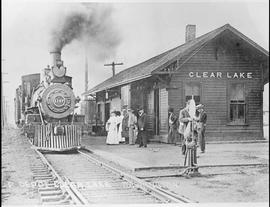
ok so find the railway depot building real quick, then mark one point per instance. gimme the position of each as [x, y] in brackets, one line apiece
[223, 69]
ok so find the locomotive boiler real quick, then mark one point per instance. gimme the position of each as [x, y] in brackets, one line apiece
[50, 119]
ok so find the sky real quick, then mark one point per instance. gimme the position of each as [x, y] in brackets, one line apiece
[144, 30]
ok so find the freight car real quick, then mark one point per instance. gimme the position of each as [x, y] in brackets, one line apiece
[48, 109]
[23, 96]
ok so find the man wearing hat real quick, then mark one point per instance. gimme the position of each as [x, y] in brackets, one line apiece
[125, 128]
[201, 125]
[132, 121]
[141, 128]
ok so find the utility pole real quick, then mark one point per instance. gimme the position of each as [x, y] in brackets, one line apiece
[113, 64]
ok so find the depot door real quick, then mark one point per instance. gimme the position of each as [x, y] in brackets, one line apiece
[156, 112]
[107, 111]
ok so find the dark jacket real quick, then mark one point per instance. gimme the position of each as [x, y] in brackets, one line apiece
[173, 120]
[142, 121]
[203, 117]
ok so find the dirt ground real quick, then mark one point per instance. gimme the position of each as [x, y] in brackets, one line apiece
[15, 170]
[222, 184]
[216, 184]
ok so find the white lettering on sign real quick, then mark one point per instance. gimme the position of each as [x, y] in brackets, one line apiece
[235, 75]
[229, 75]
[212, 75]
[191, 74]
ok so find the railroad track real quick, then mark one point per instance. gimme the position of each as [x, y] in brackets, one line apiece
[85, 179]
[53, 188]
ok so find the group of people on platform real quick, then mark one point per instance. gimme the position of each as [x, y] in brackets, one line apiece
[127, 126]
[179, 126]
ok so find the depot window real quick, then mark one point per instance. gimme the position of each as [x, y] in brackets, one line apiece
[193, 89]
[237, 104]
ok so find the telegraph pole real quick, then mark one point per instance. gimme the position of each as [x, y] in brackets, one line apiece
[113, 64]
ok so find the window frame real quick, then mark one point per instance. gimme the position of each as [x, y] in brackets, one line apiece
[192, 83]
[229, 89]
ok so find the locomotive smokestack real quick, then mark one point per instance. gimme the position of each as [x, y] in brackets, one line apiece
[56, 58]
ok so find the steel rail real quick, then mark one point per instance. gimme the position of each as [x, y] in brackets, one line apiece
[75, 195]
[156, 191]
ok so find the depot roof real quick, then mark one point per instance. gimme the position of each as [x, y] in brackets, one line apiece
[154, 64]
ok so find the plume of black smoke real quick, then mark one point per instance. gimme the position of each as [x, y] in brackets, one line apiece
[91, 24]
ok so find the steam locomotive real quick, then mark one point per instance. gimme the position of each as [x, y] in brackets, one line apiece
[45, 109]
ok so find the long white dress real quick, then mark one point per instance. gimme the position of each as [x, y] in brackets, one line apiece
[119, 133]
[111, 125]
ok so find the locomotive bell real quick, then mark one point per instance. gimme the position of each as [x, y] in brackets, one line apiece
[59, 71]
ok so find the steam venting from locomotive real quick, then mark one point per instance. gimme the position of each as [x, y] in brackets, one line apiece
[90, 24]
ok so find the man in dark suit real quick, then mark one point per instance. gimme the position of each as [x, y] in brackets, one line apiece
[142, 137]
[201, 125]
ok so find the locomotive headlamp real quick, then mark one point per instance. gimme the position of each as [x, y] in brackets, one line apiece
[59, 71]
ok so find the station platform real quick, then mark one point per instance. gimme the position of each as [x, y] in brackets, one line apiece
[167, 156]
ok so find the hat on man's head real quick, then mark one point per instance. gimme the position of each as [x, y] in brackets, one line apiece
[140, 108]
[113, 112]
[170, 109]
[199, 106]
[124, 107]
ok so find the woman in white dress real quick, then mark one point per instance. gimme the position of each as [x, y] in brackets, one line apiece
[111, 127]
[120, 121]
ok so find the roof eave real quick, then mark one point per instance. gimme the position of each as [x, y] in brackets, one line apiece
[117, 84]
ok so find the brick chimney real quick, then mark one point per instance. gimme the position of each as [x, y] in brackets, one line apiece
[190, 32]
